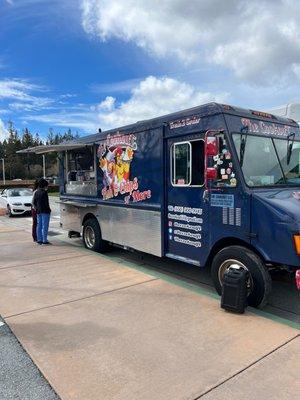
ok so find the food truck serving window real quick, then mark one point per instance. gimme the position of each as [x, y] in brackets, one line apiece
[187, 159]
[81, 179]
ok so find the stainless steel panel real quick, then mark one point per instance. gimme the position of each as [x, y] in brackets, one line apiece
[139, 229]
[82, 188]
[70, 217]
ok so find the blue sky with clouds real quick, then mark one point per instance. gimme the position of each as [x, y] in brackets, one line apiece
[85, 64]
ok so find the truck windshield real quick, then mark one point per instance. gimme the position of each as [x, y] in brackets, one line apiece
[265, 161]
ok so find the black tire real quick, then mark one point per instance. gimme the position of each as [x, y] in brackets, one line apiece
[91, 227]
[261, 283]
[9, 213]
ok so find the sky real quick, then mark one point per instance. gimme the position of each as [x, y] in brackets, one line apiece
[90, 64]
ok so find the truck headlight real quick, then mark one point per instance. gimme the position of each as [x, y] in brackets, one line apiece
[297, 243]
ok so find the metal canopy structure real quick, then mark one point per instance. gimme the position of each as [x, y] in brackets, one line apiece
[53, 148]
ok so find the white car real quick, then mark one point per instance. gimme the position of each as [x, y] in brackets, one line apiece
[17, 201]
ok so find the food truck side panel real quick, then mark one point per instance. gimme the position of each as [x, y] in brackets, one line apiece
[139, 205]
[130, 191]
[140, 214]
[187, 216]
[134, 228]
[149, 213]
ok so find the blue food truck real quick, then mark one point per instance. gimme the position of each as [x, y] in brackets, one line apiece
[212, 185]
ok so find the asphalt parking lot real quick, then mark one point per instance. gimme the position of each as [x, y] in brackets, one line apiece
[19, 377]
[131, 326]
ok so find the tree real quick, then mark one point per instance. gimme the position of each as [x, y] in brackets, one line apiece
[30, 165]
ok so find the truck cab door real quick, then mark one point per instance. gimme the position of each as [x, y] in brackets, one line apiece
[228, 202]
[186, 213]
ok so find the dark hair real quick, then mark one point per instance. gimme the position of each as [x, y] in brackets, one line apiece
[43, 183]
[36, 184]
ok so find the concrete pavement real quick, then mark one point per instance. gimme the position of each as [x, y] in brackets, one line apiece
[99, 329]
[273, 377]
[284, 300]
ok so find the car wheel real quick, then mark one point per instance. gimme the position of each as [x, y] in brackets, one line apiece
[259, 284]
[9, 212]
[92, 237]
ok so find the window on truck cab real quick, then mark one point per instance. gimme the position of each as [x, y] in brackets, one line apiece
[265, 161]
[187, 163]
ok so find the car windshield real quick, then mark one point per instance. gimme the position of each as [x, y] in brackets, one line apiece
[19, 192]
[265, 160]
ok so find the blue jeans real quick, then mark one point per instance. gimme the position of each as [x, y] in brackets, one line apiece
[42, 227]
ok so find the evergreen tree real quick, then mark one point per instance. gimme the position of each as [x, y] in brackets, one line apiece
[29, 166]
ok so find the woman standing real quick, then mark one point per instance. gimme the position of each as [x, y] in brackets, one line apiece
[33, 211]
[41, 204]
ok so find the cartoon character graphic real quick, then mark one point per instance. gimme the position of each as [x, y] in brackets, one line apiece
[115, 158]
[107, 165]
[119, 165]
[128, 157]
[115, 165]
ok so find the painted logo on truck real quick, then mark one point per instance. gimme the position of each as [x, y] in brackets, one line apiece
[265, 128]
[115, 158]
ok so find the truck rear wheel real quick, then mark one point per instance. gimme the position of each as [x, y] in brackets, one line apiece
[259, 284]
[91, 235]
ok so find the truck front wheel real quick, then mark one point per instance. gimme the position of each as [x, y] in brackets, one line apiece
[259, 284]
[91, 235]
[9, 212]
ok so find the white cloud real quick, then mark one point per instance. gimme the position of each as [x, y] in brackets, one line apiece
[68, 96]
[3, 131]
[35, 105]
[85, 119]
[106, 105]
[21, 93]
[16, 89]
[4, 111]
[152, 97]
[115, 87]
[259, 40]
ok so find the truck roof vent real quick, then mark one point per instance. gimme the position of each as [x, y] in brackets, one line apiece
[226, 107]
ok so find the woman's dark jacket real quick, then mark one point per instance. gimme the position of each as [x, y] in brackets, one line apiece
[41, 202]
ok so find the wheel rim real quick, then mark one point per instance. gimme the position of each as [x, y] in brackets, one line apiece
[231, 263]
[89, 237]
